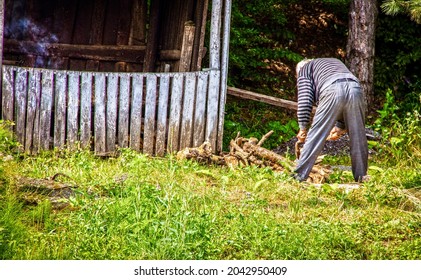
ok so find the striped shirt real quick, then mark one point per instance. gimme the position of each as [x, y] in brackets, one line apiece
[312, 79]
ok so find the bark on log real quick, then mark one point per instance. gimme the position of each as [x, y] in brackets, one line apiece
[245, 152]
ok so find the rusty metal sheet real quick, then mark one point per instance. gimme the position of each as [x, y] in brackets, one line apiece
[150, 111]
[136, 112]
[86, 109]
[162, 119]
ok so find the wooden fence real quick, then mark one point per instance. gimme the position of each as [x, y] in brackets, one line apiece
[153, 113]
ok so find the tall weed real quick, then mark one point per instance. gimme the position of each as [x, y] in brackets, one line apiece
[401, 133]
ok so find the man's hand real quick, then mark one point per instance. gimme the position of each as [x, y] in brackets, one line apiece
[336, 133]
[302, 135]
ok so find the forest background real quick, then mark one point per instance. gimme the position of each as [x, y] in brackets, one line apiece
[268, 39]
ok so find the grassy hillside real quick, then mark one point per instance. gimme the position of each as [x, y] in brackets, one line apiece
[137, 207]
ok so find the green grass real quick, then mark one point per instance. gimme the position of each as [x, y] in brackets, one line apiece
[138, 207]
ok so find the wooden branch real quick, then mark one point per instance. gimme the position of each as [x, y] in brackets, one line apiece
[264, 138]
[245, 152]
[134, 54]
[246, 94]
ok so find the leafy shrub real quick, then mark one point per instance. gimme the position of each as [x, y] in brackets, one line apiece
[401, 130]
[397, 64]
[258, 37]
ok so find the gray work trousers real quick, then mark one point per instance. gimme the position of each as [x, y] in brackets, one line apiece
[342, 100]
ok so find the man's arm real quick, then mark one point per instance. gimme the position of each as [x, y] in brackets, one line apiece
[305, 101]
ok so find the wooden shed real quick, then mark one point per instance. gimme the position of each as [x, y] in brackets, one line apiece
[104, 74]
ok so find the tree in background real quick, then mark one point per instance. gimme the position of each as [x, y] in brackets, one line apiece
[269, 37]
[361, 44]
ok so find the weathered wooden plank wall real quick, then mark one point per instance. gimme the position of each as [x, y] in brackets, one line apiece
[149, 112]
[154, 113]
[106, 36]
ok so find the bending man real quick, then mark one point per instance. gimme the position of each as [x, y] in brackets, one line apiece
[327, 83]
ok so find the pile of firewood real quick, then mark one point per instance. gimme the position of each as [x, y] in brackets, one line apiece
[249, 151]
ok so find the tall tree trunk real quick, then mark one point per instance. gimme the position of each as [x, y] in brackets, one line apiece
[361, 43]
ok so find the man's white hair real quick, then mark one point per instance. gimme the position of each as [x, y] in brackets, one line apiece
[301, 64]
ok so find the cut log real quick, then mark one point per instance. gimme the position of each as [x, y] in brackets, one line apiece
[246, 152]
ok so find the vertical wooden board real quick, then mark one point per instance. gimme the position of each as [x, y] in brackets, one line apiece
[188, 108]
[150, 110]
[7, 17]
[85, 109]
[111, 22]
[82, 22]
[45, 11]
[224, 71]
[110, 31]
[111, 109]
[199, 41]
[46, 109]
[21, 93]
[32, 118]
[123, 111]
[73, 109]
[97, 30]
[200, 109]
[187, 47]
[64, 19]
[60, 94]
[99, 118]
[161, 131]
[212, 108]
[136, 112]
[97, 24]
[215, 35]
[138, 24]
[153, 36]
[8, 93]
[123, 32]
[2, 25]
[175, 112]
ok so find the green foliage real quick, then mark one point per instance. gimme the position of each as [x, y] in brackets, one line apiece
[258, 37]
[410, 7]
[8, 143]
[397, 64]
[252, 119]
[401, 131]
